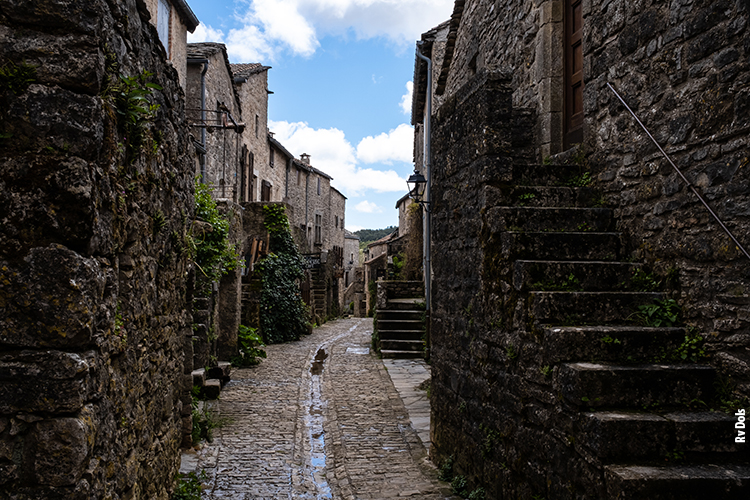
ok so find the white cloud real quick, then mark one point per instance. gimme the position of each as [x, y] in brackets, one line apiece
[368, 207]
[269, 27]
[332, 153]
[396, 145]
[354, 228]
[407, 98]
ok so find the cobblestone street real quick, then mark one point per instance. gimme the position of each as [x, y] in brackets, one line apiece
[320, 418]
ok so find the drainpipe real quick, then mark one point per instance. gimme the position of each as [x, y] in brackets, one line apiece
[204, 62]
[427, 173]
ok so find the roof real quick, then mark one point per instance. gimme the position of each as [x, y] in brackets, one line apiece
[339, 192]
[186, 14]
[420, 72]
[384, 239]
[350, 235]
[205, 50]
[278, 145]
[407, 195]
[245, 70]
[381, 256]
[305, 166]
[450, 46]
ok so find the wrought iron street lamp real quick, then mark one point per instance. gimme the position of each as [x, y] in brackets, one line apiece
[417, 186]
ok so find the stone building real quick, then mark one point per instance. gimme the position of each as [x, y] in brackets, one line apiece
[274, 183]
[95, 279]
[215, 116]
[172, 20]
[556, 221]
[251, 81]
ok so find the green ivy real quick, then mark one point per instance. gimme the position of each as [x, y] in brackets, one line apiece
[214, 255]
[17, 78]
[660, 313]
[132, 98]
[283, 313]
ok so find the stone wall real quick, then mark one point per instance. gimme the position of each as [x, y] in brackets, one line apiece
[683, 68]
[94, 271]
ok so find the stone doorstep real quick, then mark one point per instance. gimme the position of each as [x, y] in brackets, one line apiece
[199, 377]
[386, 353]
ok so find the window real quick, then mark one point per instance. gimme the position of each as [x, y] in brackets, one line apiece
[163, 13]
[299, 176]
[265, 191]
[272, 156]
[257, 125]
[318, 186]
[337, 222]
[318, 229]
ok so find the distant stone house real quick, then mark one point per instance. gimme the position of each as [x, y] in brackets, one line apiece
[173, 19]
[214, 112]
[274, 170]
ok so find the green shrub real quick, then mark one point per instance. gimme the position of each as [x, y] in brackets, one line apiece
[189, 486]
[661, 313]
[250, 345]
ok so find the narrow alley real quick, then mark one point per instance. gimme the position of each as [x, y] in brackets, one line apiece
[321, 418]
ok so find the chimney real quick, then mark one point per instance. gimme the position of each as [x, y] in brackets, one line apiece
[305, 158]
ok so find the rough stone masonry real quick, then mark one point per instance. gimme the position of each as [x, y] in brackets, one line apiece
[94, 272]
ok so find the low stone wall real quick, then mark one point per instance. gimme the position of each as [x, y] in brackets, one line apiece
[95, 279]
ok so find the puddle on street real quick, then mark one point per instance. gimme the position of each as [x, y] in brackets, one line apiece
[315, 433]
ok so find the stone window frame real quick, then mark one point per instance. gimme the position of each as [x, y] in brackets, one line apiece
[318, 229]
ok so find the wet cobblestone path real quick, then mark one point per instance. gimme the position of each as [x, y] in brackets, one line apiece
[318, 419]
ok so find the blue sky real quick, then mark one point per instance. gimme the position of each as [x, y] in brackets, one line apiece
[341, 76]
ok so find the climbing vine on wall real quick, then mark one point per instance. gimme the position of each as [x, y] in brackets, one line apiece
[283, 313]
[214, 255]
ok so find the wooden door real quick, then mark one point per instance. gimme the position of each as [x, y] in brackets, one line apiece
[573, 73]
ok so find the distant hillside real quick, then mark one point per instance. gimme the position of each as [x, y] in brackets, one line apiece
[369, 235]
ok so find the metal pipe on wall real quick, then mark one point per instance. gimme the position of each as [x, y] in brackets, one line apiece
[428, 175]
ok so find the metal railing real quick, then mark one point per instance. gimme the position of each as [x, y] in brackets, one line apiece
[687, 182]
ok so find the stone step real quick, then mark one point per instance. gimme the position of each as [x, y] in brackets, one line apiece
[221, 371]
[400, 324]
[578, 307]
[409, 304]
[395, 354]
[537, 219]
[604, 385]
[401, 345]
[547, 175]
[589, 276]
[678, 482]
[393, 314]
[559, 246]
[616, 436]
[401, 334]
[609, 343]
[541, 196]
[211, 389]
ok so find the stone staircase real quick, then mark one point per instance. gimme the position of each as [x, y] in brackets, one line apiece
[401, 328]
[633, 419]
